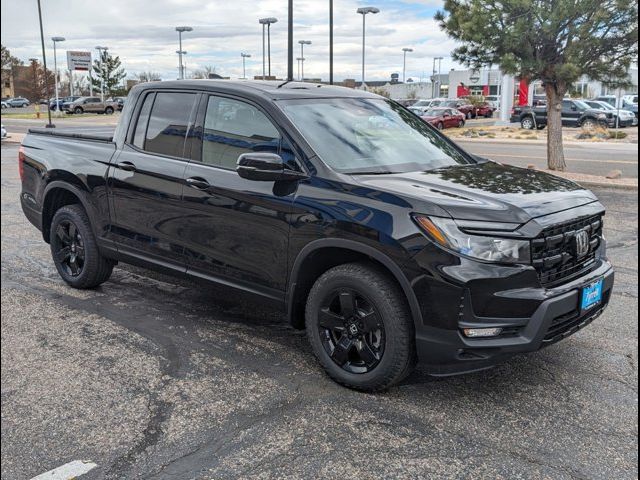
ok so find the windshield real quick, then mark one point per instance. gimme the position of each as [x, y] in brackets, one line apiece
[422, 103]
[602, 106]
[433, 113]
[581, 105]
[355, 135]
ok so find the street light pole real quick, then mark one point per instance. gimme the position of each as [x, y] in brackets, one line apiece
[330, 42]
[364, 11]
[100, 50]
[302, 44]
[44, 63]
[266, 52]
[55, 67]
[299, 59]
[244, 65]
[180, 65]
[439, 75]
[404, 64]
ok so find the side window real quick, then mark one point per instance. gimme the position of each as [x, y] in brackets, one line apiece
[232, 128]
[169, 123]
[143, 118]
[566, 105]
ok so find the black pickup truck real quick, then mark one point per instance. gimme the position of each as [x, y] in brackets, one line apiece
[385, 240]
[575, 113]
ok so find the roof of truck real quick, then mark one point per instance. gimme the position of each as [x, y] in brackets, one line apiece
[274, 90]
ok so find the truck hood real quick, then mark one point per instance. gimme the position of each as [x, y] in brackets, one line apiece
[486, 192]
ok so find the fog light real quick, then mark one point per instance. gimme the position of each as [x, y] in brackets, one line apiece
[482, 332]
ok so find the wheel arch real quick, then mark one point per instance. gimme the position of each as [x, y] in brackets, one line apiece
[320, 255]
[56, 195]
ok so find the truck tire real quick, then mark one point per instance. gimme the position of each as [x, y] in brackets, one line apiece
[589, 123]
[527, 123]
[108, 110]
[359, 326]
[75, 251]
[78, 110]
[440, 126]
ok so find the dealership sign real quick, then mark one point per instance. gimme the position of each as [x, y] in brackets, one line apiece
[78, 60]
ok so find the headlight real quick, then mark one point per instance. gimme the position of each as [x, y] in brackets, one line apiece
[446, 233]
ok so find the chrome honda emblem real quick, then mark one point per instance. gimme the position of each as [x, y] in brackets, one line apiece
[582, 243]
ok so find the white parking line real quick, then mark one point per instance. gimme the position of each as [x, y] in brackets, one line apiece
[67, 471]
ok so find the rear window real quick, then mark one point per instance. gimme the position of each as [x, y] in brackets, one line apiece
[169, 123]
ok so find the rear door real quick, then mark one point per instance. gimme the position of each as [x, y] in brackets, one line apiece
[570, 113]
[237, 230]
[146, 178]
[92, 105]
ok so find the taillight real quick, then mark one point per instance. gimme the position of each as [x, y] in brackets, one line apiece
[21, 158]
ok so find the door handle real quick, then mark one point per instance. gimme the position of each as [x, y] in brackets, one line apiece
[126, 166]
[198, 183]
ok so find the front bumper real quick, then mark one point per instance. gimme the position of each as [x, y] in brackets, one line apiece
[449, 352]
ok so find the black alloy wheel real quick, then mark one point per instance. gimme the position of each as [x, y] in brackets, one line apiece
[351, 331]
[69, 248]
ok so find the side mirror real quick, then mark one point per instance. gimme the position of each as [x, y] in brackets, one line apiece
[266, 167]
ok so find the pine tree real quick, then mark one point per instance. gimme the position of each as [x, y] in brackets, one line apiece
[555, 41]
[111, 73]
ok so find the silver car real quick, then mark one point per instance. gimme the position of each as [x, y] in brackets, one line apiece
[90, 105]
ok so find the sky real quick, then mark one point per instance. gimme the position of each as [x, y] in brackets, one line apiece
[142, 33]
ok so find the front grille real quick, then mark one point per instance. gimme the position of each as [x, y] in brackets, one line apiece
[554, 251]
[568, 324]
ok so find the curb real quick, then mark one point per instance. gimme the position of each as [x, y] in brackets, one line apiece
[616, 186]
[535, 142]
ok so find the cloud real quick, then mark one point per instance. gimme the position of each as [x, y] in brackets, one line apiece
[142, 34]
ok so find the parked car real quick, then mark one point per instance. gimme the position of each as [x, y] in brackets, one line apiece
[442, 117]
[62, 101]
[18, 102]
[422, 106]
[4, 105]
[407, 102]
[386, 241]
[89, 105]
[622, 118]
[119, 102]
[626, 102]
[493, 100]
[485, 110]
[575, 113]
[463, 106]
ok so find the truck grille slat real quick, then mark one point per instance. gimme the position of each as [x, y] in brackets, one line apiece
[553, 251]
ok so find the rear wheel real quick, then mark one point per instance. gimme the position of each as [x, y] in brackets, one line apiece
[78, 110]
[360, 328]
[527, 123]
[108, 110]
[440, 126]
[461, 124]
[75, 251]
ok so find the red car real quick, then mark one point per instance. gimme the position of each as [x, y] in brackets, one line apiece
[463, 106]
[442, 117]
[485, 110]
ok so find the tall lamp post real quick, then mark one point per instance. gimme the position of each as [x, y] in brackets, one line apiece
[364, 11]
[299, 59]
[244, 65]
[55, 68]
[100, 50]
[439, 74]
[180, 30]
[44, 64]
[330, 42]
[404, 64]
[436, 80]
[266, 51]
[183, 63]
[302, 44]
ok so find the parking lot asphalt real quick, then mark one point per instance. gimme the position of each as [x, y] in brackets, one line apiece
[153, 377]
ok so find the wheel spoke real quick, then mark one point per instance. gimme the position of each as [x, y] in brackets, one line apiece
[80, 252]
[366, 353]
[347, 304]
[371, 322]
[74, 267]
[63, 254]
[63, 235]
[72, 231]
[340, 353]
[330, 320]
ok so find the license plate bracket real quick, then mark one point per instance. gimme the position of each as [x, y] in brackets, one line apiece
[591, 295]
